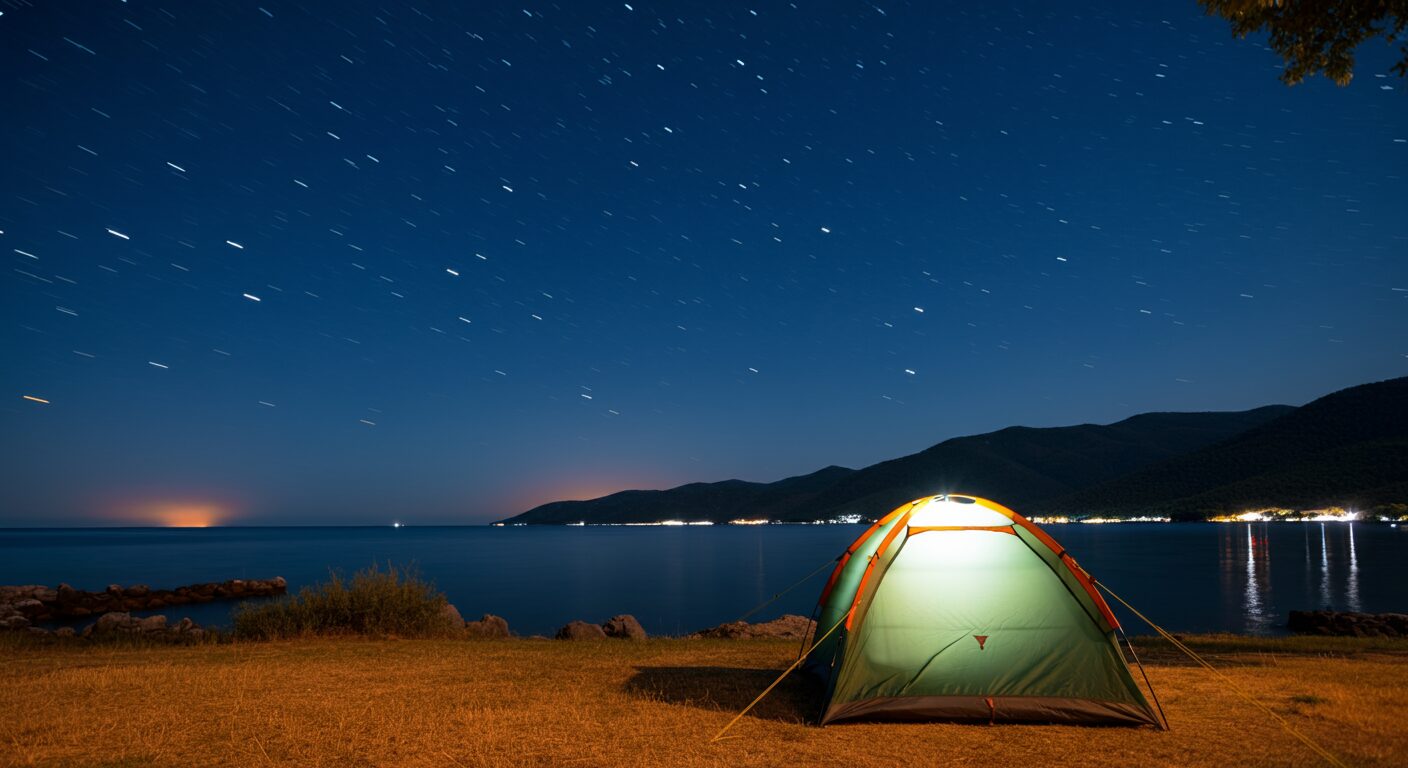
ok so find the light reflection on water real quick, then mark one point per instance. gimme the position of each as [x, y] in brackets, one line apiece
[1331, 563]
[1351, 591]
[1258, 581]
[1325, 599]
[1241, 577]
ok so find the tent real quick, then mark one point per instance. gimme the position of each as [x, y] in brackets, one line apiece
[957, 608]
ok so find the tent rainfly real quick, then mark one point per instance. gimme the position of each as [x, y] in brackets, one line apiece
[957, 608]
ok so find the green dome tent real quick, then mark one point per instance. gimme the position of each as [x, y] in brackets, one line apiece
[957, 608]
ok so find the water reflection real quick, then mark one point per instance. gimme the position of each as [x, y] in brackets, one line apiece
[1322, 573]
[1326, 602]
[1351, 589]
[1188, 578]
[1308, 569]
[1258, 583]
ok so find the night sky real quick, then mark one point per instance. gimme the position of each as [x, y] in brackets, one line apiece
[439, 262]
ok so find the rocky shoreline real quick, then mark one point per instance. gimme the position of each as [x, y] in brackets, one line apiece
[42, 603]
[22, 607]
[788, 627]
[1348, 624]
[626, 627]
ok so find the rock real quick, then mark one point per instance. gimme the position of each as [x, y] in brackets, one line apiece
[1348, 624]
[452, 615]
[581, 630]
[38, 631]
[11, 594]
[185, 625]
[65, 632]
[65, 594]
[37, 603]
[732, 630]
[14, 621]
[789, 627]
[625, 627]
[490, 626]
[152, 624]
[29, 607]
[111, 622]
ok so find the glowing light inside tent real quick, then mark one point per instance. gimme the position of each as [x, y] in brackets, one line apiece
[942, 511]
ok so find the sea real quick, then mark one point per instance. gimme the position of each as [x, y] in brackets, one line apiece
[1189, 577]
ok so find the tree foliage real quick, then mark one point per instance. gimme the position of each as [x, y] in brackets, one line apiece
[1317, 36]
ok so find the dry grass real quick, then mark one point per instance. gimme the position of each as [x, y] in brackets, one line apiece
[394, 602]
[349, 702]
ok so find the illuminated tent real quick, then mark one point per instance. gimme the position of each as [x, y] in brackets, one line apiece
[957, 608]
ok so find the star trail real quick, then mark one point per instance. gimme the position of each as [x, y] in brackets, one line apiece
[439, 262]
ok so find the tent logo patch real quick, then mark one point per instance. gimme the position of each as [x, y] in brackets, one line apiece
[982, 641]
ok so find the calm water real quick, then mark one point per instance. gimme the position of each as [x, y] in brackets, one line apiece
[1194, 577]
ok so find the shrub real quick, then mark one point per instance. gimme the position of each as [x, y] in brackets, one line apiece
[374, 602]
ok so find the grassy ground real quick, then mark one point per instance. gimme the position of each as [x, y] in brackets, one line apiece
[350, 702]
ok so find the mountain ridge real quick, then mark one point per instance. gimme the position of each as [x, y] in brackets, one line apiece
[1348, 446]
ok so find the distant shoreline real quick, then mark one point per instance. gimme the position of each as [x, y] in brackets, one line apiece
[770, 524]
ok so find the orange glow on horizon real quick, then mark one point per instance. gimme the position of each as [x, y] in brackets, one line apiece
[181, 513]
[189, 516]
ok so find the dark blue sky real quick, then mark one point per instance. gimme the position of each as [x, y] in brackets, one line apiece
[349, 262]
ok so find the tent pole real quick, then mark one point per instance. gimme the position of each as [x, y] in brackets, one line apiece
[801, 649]
[1147, 684]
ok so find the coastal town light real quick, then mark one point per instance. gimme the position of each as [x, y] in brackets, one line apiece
[1280, 515]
